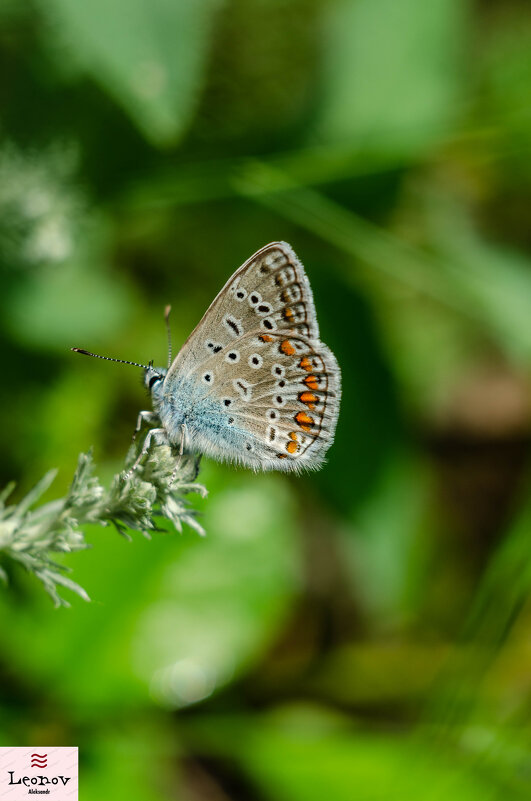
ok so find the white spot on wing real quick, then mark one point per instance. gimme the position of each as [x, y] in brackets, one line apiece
[254, 298]
[233, 326]
[232, 356]
[263, 308]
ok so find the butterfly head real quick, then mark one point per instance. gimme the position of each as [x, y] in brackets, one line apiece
[154, 380]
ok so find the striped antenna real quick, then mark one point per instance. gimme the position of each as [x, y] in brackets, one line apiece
[110, 358]
[167, 311]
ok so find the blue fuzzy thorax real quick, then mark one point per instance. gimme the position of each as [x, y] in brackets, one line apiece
[206, 422]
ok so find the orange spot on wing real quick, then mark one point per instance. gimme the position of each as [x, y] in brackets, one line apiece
[288, 313]
[292, 447]
[306, 364]
[265, 338]
[287, 348]
[304, 420]
[309, 399]
[292, 435]
[282, 456]
[311, 382]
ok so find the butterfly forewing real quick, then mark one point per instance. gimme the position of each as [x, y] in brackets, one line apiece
[269, 292]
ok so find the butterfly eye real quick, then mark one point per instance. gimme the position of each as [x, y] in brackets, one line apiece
[153, 380]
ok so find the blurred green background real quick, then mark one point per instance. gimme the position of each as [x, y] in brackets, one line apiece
[361, 633]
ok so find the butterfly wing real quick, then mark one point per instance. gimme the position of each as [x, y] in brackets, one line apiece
[280, 399]
[270, 292]
[253, 384]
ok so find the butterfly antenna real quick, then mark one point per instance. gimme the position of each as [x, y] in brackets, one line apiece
[167, 311]
[110, 358]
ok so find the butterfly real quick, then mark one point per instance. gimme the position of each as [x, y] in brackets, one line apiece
[253, 384]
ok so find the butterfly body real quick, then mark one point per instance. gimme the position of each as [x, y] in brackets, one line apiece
[184, 411]
[253, 384]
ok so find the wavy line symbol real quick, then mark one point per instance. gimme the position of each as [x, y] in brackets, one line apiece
[39, 760]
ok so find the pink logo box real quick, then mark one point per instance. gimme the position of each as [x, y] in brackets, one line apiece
[38, 772]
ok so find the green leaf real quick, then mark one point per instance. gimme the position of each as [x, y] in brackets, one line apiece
[150, 56]
[492, 279]
[216, 606]
[385, 549]
[91, 303]
[506, 77]
[392, 76]
[135, 761]
[307, 754]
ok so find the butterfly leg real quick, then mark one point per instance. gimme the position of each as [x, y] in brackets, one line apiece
[155, 433]
[147, 417]
[197, 463]
[181, 451]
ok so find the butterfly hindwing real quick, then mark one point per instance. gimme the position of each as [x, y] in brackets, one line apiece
[278, 400]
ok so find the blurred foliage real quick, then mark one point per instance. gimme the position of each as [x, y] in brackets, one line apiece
[358, 633]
